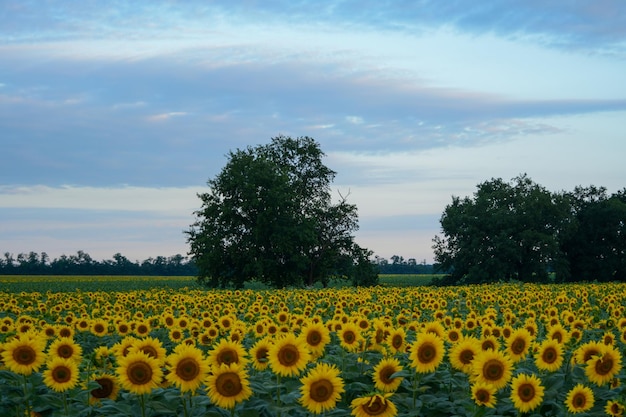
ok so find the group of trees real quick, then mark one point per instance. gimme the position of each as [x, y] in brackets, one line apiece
[518, 230]
[398, 265]
[269, 216]
[82, 263]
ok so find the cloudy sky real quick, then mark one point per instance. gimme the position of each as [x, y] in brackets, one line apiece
[113, 114]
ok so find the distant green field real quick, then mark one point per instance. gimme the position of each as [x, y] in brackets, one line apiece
[65, 283]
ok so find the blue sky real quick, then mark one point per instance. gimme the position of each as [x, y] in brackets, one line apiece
[114, 114]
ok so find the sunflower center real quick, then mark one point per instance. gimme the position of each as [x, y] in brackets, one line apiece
[142, 329]
[65, 351]
[518, 346]
[376, 407]
[526, 392]
[187, 369]
[453, 336]
[61, 374]
[313, 338]
[557, 336]
[579, 400]
[385, 374]
[227, 356]
[98, 328]
[590, 354]
[261, 355]
[483, 395]
[466, 357]
[321, 390]
[493, 370]
[397, 341]
[604, 366]
[139, 373]
[24, 355]
[228, 384]
[488, 344]
[150, 351]
[349, 337]
[549, 355]
[426, 353]
[288, 355]
[106, 388]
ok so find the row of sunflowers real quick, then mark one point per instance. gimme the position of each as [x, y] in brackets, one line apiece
[489, 350]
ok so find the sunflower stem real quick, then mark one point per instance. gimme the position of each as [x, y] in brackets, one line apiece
[184, 398]
[142, 401]
[67, 413]
[26, 399]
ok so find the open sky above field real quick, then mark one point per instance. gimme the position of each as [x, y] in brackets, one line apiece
[114, 114]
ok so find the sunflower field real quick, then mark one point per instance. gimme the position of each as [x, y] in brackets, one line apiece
[488, 350]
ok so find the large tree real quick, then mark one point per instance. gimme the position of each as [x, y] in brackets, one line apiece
[269, 216]
[505, 231]
[594, 241]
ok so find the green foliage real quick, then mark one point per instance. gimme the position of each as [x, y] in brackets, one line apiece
[520, 231]
[268, 217]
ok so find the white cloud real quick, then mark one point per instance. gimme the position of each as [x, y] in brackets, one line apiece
[126, 198]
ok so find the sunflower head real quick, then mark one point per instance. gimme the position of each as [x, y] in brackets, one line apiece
[427, 352]
[227, 352]
[383, 372]
[579, 399]
[492, 367]
[321, 388]
[484, 394]
[373, 405]
[61, 374]
[228, 385]
[24, 354]
[187, 368]
[108, 388]
[139, 373]
[526, 392]
[288, 356]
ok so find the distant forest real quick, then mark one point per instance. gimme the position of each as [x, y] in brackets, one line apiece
[82, 263]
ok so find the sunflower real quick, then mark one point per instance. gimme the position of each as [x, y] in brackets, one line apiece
[484, 394]
[489, 342]
[24, 354]
[559, 333]
[176, 334]
[396, 340]
[187, 368]
[462, 354]
[603, 367]
[258, 352]
[383, 372]
[99, 327]
[492, 367]
[518, 344]
[321, 388]
[139, 373]
[427, 352]
[109, 388]
[150, 346]
[65, 347]
[579, 399]
[549, 357]
[526, 392]
[227, 352]
[316, 336]
[228, 385]
[350, 337]
[61, 374]
[373, 405]
[288, 356]
[614, 408]
[587, 351]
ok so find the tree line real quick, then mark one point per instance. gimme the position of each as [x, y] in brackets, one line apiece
[520, 231]
[82, 263]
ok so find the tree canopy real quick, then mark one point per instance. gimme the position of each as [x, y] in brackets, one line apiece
[269, 216]
[521, 231]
